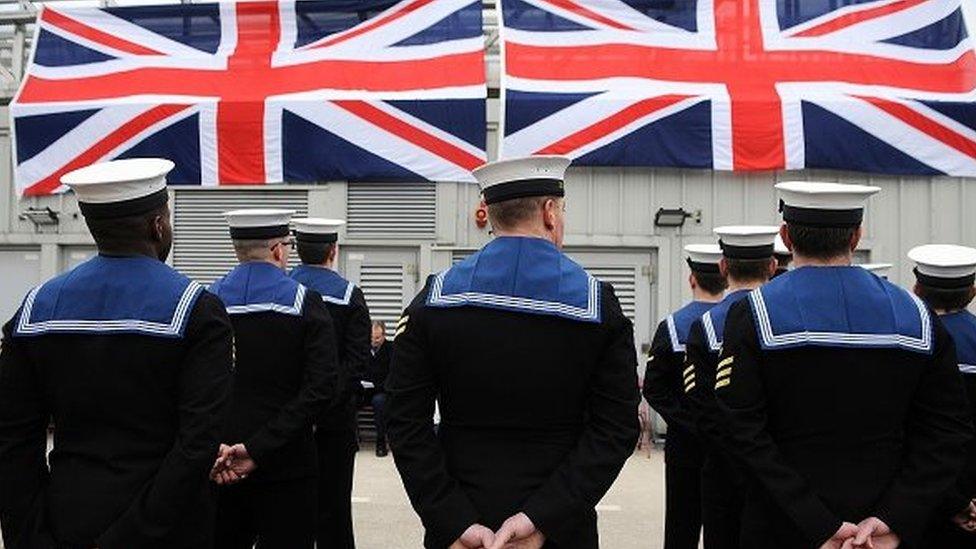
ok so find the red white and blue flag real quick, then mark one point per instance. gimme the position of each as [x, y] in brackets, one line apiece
[883, 86]
[257, 92]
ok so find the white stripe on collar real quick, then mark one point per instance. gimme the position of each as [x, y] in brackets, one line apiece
[676, 345]
[591, 312]
[771, 340]
[295, 309]
[344, 300]
[173, 328]
[967, 368]
[713, 343]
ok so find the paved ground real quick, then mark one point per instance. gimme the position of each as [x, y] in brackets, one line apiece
[631, 516]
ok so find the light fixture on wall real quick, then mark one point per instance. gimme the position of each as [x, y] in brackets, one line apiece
[674, 217]
[41, 216]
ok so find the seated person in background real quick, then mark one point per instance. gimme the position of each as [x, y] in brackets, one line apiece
[376, 372]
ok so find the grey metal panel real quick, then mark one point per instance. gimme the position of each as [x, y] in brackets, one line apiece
[391, 210]
[202, 248]
[20, 270]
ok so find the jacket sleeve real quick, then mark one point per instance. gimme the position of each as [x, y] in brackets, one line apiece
[444, 508]
[664, 383]
[203, 394]
[699, 382]
[318, 386]
[936, 434]
[357, 343]
[741, 397]
[23, 444]
[608, 438]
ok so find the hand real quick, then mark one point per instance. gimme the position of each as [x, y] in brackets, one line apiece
[518, 532]
[233, 465]
[966, 519]
[873, 533]
[475, 537]
[846, 532]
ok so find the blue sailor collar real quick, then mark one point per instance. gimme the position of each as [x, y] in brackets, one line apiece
[330, 284]
[522, 274]
[111, 295]
[714, 319]
[679, 323]
[258, 286]
[961, 326]
[839, 307]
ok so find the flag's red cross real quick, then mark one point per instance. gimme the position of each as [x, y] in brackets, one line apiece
[243, 87]
[749, 71]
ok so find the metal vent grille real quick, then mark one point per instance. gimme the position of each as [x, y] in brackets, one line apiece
[391, 210]
[458, 256]
[201, 242]
[382, 285]
[624, 282]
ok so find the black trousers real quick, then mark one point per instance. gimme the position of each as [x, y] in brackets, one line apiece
[683, 507]
[722, 498]
[337, 458]
[273, 514]
[379, 418]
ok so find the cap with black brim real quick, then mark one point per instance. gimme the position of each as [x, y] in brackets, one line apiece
[120, 188]
[317, 230]
[826, 205]
[944, 266]
[259, 224]
[703, 258]
[522, 178]
[747, 241]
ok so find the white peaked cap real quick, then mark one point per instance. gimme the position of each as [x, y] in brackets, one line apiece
[779, 247]
[824, 204]
[880, 269]
[944, 261]
[258, 224]
[704, 253]
[747, 241]
[522, 177]
[317, 229]
[317, 225]
[121, 187]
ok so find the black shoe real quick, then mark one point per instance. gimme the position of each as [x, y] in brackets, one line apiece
[381, 451]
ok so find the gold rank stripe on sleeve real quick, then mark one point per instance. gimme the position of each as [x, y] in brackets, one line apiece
[728, 361]
[723, 373]
[401, 326]
[688, 370]
[722, 383]
[689, 387]
[689, 376]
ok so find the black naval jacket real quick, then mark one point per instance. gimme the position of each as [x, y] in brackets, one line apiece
[834, 434]
[664, 386]
[538, 415]
[136, 430]
[284, 372]
[350, 320]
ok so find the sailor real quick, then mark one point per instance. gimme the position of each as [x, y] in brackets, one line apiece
[285, 373]
[132, 362]
[747, 262]
[841, 391]
[335, 428]
[783, 256]
[533, 363]
[944, 280]
[664, 391]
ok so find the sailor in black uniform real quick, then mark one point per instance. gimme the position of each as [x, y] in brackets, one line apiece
[842, 391]
[285, 373]
[335, 428]
[533, 364]
[748, 263]
[664, 391]
[945, 274]
[132, 362]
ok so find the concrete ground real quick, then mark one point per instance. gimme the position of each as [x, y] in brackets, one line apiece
[631, 515]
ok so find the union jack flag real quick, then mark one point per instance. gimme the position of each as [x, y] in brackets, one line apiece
[256, 92]
[871, 85]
